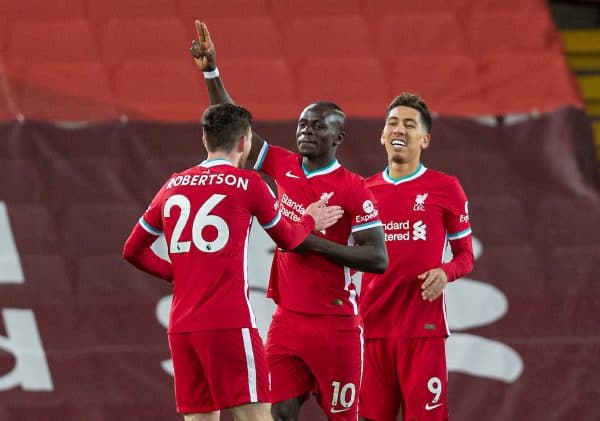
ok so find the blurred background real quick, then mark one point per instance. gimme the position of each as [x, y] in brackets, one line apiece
[100, 102]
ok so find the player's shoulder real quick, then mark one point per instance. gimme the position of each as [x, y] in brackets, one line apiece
[442, 181]
[441, 177]
[351, 176]
[374, 179]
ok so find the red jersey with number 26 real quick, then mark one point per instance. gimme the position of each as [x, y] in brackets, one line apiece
[420, 213]
[205, 213]
[308, 283]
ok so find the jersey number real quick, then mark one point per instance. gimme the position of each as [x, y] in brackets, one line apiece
[434, 385]
[202, 219]
[343, 394]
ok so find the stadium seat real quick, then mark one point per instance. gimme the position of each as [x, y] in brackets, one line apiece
[93, 229]
[383, 8]
[326, 37]
[518, 82]
[56, 10]
[466, 7]
[512, 31]
[359, 86]
[164, 90]
[449, 84]
[265, 87]
[147, 39]
[590, 86]
[284, 10]
[35, 42]
[190, 10]
[418, 33]
[67, 92]
[100, 11]
[581, 41]
[238, 37]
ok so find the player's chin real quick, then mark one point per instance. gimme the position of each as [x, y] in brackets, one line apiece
[306, 151]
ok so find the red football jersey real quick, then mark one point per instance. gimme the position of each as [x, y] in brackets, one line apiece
[309, 283]
[205, 213]
[420, 212]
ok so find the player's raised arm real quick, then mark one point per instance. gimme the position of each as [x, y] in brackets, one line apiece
[204, 54]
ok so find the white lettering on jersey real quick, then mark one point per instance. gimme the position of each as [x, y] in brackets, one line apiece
[208, 179]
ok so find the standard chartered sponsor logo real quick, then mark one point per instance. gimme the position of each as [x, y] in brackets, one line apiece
[419, 231]
[403, 230]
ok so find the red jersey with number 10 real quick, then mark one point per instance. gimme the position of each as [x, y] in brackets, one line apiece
[205, 213]
[308, 283]
[420, 212]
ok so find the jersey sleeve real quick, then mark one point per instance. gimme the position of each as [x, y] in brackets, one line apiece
[456, 212]
[137, 249]
[287, 234]
[269, 157]
[364, 212]
[458, 228]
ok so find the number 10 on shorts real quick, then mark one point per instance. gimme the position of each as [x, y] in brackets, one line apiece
[344, 395]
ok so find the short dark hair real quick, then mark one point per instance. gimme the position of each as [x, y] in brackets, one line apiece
[331, 108]
[407, 99]
[223, 125]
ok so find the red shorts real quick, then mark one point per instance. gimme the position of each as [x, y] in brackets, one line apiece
[322, 354]
[218, 369]
[408, 373]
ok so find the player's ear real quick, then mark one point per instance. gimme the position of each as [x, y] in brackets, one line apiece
[382, 139]
[340, 137]
[425, 141]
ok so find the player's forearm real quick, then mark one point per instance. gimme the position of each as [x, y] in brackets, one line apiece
[137, 251]
[150, 263]
[366, 257]
[289, 235]
[217, 94]
[462, 259]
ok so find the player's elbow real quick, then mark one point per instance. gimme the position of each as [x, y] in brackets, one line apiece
[129, 253]
[379, 262]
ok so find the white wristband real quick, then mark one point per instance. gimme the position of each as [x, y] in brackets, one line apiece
[212, 74]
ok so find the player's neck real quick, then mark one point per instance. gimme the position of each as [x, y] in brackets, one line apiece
[313, 164]
[399, 170]
[234, 158]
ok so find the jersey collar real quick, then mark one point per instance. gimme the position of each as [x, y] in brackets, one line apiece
[209, 163]
[416, 174]
[329, 168]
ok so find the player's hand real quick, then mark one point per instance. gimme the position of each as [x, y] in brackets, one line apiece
[203, 49]
[324, 216]
[434, 282]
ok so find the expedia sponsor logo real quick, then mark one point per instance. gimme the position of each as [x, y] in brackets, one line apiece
[361, 219]
[465, 217]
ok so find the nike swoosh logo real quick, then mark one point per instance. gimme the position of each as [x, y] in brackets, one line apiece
[335, 411]
[289, 174]
[430, 407]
